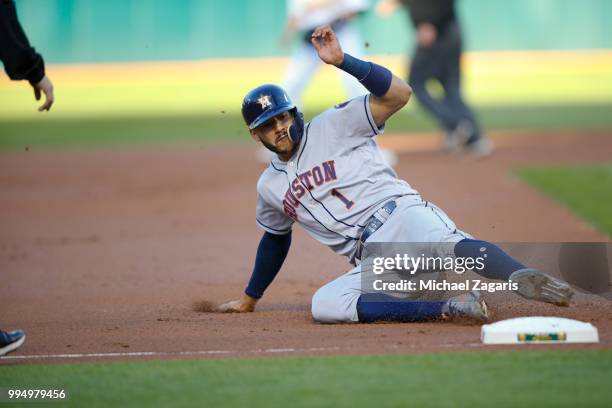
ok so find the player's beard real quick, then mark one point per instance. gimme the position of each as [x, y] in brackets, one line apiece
[275, 149]
[272, 147]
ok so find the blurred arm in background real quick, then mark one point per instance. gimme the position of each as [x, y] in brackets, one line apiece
[21, 61]
[289, 33]
[428, 17]
[431, 19]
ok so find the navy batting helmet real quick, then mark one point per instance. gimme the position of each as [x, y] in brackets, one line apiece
[267, 101]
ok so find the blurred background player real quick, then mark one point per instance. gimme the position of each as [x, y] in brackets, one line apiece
[437, 56]
[303, 16]
[21, 61]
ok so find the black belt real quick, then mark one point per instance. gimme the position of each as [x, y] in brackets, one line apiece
[374, 223]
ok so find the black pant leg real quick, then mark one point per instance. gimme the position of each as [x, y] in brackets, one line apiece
[425, 65]
[450, 78]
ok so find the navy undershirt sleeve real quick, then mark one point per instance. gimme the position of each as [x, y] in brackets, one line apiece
[271, 254]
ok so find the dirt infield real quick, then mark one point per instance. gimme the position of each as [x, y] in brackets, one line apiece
[105, 251]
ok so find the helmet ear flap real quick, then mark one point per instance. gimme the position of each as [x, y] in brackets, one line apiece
[296, 130]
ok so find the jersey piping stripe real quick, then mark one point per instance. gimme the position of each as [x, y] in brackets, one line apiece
[277, 169]
[365, 101]
[273, 229]
[313, 197]
[438, 215]
[304, 145]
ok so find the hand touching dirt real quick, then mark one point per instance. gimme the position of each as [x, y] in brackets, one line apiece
[244, 305]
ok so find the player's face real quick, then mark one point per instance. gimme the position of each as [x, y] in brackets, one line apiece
[274, 134]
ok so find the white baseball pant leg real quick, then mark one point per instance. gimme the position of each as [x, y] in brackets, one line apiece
[413, 221]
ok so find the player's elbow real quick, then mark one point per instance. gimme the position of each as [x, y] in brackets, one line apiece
[405, 92]
[401, 96]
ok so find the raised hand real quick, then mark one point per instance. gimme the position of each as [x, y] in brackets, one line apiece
[327, 45]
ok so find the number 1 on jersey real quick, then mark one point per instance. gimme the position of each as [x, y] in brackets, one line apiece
[347, 203]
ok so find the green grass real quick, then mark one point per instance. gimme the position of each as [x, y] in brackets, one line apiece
[94, 132]
[495, 379]
[199, 102]
[587, 190]
[47, 131]
[539, 117]
[209, 86]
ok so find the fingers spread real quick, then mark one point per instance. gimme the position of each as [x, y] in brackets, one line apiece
[229, 307]
[220, 309]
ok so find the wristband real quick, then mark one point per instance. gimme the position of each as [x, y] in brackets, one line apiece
[375, 78]
[356, 67]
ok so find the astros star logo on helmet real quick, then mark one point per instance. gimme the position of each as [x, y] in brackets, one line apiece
[264, 101]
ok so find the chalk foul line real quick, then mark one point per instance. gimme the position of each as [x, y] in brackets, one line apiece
[288, 350]
[166, 353]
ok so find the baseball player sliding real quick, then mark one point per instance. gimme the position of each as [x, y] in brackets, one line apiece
[329, 177]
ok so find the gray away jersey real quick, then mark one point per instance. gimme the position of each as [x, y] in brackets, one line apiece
[334, 182]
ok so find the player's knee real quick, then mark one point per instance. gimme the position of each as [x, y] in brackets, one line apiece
[334, 308]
